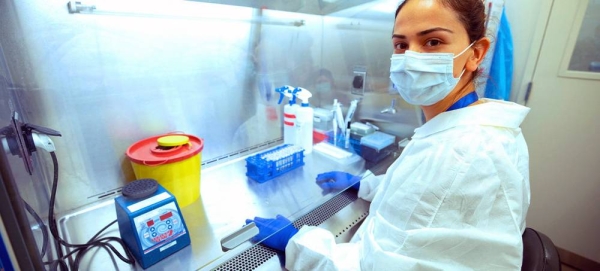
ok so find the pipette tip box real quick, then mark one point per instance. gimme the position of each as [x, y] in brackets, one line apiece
[376, 146]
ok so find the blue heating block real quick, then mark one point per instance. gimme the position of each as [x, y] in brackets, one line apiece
[152, 227]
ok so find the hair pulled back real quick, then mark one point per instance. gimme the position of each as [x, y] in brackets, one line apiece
[471, 13]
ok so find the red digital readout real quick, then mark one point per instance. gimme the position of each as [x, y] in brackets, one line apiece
[166, 216]
[150, 223]
[162, 236]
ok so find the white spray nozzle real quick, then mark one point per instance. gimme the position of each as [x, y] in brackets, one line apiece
[303, 94]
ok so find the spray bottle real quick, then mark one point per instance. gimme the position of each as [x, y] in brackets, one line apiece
[289, 114]
[304, 121]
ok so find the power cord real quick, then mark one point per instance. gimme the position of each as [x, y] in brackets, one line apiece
[42, 226]
[79, 249]
[24, 138]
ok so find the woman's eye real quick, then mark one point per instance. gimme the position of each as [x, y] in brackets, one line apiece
[433, 43]
[401, 46]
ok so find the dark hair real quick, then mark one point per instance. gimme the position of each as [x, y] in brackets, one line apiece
[470, 12]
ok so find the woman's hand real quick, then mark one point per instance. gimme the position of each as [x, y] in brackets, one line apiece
[273, 232]
[337, 181]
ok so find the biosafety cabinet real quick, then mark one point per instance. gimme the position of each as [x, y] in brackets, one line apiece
[81, 81]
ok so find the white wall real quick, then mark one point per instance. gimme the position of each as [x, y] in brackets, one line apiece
[563, 178]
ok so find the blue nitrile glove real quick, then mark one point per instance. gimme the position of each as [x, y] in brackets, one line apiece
[277, 231]
[337, 180]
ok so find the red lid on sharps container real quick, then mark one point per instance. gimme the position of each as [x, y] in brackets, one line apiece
[164, 149]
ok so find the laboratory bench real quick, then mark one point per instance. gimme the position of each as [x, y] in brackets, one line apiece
[216, 221]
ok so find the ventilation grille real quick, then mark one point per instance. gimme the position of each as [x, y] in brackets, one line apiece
[259, 254]
[249, 259]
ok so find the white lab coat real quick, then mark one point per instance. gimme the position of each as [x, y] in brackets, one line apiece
[456, 199]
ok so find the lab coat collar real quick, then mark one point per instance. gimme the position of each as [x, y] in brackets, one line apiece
[490, 113]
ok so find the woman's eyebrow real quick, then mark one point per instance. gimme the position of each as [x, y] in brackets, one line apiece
[435, 29]
[424, 32]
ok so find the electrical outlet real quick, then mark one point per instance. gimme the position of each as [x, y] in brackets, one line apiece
[359, 80]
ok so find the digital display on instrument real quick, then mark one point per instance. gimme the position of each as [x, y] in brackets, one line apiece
[159, 227]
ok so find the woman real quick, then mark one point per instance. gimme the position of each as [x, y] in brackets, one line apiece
[457, 197]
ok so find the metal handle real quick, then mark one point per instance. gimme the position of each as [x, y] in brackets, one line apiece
[240, 236]
[78, 7]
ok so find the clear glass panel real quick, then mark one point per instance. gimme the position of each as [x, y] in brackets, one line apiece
[317, 7]
[109, 73]
[586, 55]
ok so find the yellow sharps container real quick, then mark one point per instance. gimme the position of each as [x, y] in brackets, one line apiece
[174, 160]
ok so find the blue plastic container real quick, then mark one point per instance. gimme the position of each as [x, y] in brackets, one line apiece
[273, 163]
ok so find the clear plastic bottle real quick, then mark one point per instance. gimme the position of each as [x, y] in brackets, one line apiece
[304, 121]
[289, 123]
[289, 114]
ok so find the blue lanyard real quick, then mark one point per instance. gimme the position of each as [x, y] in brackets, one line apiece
[464, 101]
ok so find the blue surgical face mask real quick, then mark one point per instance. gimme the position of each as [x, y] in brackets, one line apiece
[424, 78]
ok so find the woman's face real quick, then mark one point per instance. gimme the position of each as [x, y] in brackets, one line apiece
[427, 26]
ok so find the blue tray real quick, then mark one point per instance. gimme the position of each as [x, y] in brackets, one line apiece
[263, 167]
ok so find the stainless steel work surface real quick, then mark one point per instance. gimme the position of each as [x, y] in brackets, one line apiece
[227, 199]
